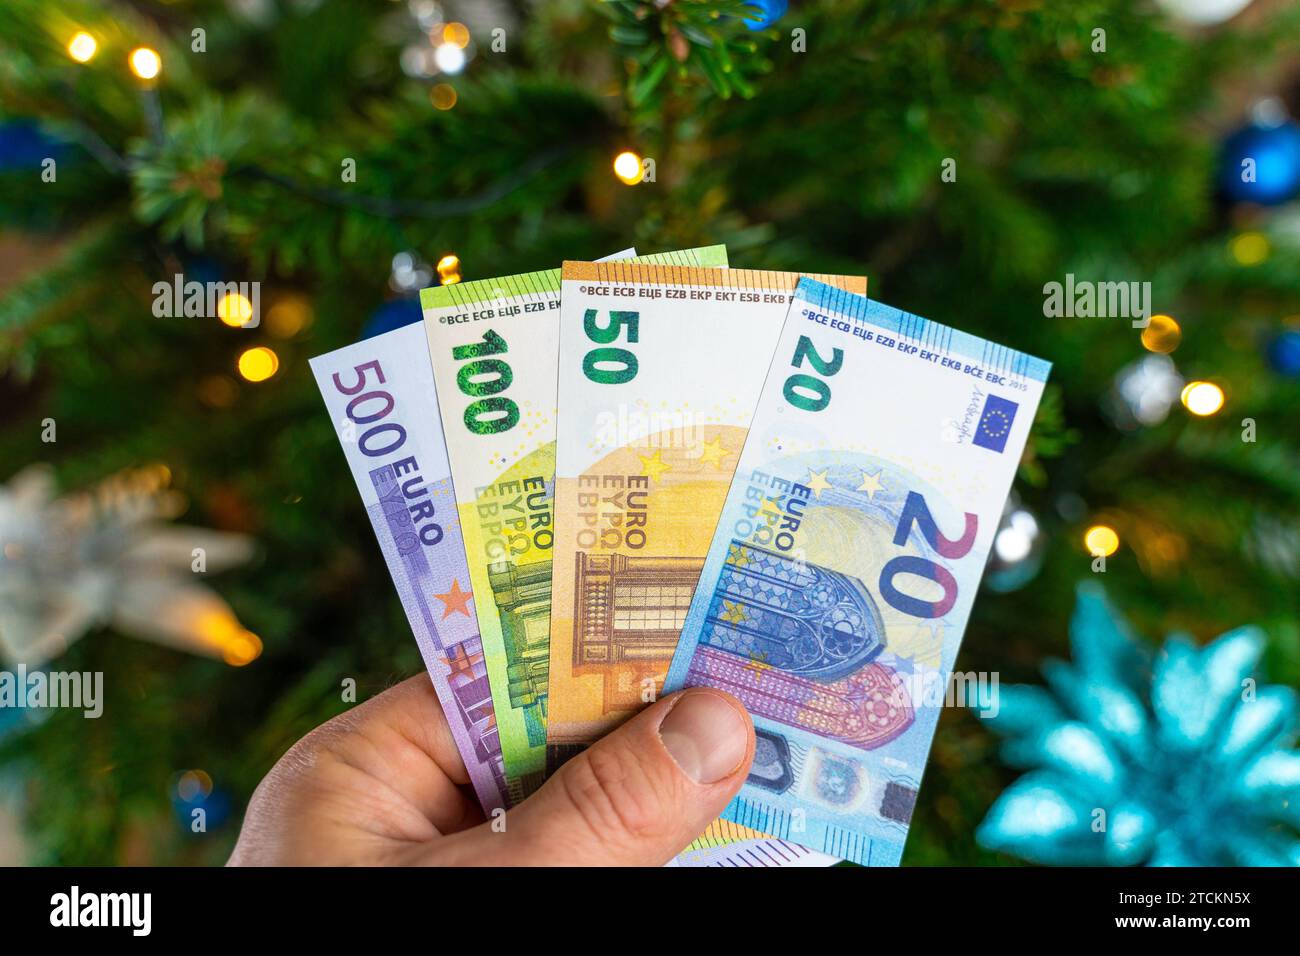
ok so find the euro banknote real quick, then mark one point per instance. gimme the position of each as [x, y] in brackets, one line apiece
[755, 852]
[494, 345]
[846, 559]
[728, 843]
[659, 370]
[381, 399]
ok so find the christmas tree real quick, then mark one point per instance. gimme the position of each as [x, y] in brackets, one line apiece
[964, 155]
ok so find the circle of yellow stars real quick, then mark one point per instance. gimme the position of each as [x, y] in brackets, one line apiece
[988, 420]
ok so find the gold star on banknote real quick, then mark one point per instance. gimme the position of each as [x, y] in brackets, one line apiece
[712, 453]
[654, 466]
[455, 600]
[733, 612]
[758, 664]
[871, 484]
[771, 506]
[817, 481]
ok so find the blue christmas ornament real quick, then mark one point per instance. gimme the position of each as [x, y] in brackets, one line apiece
[24, 145]
[1171, 759]
[199, 805]
[1261, 164]
[1284, 353]
[393, 314]
[770, 10]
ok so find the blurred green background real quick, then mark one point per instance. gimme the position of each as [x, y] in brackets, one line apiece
[486, 131]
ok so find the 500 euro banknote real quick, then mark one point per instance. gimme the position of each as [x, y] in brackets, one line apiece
[847, 557]
[660, 368]
[494, 346]
[381, 399]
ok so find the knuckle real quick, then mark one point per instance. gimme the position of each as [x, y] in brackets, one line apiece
[617, 794]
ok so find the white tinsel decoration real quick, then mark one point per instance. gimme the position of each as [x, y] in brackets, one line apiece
[107, 557]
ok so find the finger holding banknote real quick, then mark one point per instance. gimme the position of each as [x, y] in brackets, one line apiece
[384, 784]
[363, 788]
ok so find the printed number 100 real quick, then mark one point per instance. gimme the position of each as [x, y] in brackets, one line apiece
[481, 379]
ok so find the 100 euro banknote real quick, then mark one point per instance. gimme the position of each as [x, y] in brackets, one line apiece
[847, 557]
[494, 345]
[381, 399]
[659, 370]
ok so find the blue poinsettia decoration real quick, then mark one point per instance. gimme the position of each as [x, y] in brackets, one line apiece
[1174, 758]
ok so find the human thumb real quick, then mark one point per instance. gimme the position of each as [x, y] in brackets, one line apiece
[638, 796]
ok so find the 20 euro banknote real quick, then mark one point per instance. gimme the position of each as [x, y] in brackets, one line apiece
[381, 399]
[494, 345]
[845, 563]
[659, 371]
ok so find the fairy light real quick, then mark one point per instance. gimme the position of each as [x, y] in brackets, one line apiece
[217, 391]
[1101, 541]
[1162, 334]
[193, 785]
[443, 96]
[1014, 542]
[449, 58]
[258, 364]
[241, 649]
[234, 310]
[1202, 398]
[82, 47]
[449, 269]
[289, 316]
[145, 63]
[456, 33]
[222, 632]
[1250, 248]
[627, 167]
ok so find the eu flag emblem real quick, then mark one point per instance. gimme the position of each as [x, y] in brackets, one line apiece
[995, 423]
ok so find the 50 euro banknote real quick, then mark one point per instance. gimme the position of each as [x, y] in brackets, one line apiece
[659, 371]
[381, 399]
[494, 347]
[847, 557]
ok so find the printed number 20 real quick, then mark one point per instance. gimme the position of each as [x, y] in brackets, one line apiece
[916, 511]
[809, 392]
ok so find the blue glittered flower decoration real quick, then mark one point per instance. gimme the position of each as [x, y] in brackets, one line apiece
[1171, 759]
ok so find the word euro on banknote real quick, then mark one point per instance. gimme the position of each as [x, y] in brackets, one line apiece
[847, 557]
[659, 371]
[381, 398]
[494, 345]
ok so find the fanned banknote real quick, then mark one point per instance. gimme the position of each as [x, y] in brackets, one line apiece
[847, 557]
[381, 398]
[755, 852]
[494, 345]
[724, 839]
[659, 371]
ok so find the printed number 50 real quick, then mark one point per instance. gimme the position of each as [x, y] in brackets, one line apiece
[610, 365]
[809, 392]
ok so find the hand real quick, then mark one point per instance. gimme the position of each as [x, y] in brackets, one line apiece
[384, 784]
